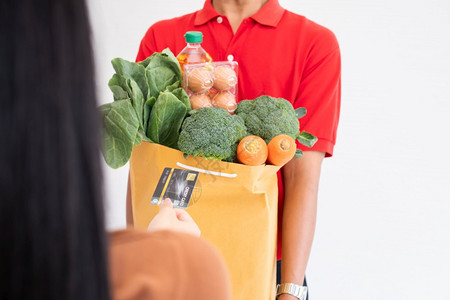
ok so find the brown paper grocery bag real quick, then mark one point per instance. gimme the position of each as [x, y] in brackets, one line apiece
[234, 205]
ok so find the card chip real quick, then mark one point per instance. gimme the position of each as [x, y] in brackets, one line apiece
[191, 176]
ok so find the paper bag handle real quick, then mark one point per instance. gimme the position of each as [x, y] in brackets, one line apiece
[229, 175]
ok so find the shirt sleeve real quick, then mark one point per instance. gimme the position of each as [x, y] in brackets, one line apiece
[320, 93]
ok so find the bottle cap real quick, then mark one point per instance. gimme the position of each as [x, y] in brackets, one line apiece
[194, 37]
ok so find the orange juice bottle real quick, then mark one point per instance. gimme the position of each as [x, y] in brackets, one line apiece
[193, 52]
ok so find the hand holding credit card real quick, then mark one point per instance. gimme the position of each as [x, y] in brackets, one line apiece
[174, 219]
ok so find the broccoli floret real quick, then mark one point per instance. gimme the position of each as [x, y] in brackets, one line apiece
[267, 117]
[212, 133]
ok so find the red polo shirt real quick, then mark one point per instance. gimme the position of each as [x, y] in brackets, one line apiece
[280, 54]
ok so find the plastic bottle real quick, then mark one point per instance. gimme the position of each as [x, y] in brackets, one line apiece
[193, 52]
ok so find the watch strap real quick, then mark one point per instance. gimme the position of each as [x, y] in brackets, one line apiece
[293, 289]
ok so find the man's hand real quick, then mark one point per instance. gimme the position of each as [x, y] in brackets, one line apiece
[174, 219]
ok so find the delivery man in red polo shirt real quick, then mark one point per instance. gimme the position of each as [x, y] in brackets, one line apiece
[280, 54]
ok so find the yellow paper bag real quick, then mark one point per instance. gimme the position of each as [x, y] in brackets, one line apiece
[234, 205]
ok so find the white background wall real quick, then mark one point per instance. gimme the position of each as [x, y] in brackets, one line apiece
[384, 203]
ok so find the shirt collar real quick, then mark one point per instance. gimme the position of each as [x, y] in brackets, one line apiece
[270, 14]
[206, 14]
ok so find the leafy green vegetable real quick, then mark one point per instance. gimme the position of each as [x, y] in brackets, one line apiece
[137, 100]
[121, 131]
[300, 112]
[131, 70]
[165, 59]
[158, 79]
[118, 85]
[181, 94]
[119, 93]
[147, 109]
[148, 105]
[145, 62]
[162, 71]
[165, 120]
[307, 139]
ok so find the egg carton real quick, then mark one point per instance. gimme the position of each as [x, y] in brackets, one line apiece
[212, 84]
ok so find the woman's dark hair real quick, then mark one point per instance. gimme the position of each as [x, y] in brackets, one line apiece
[51, 214]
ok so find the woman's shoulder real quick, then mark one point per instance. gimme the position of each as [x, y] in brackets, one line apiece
[129, 238]
[154, 263]
[170, 240]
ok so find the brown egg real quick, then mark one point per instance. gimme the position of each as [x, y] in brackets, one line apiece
[200, 100]
[199, 80]
[224, 78]
[225, 100]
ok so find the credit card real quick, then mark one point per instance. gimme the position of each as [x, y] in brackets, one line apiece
[177, 185]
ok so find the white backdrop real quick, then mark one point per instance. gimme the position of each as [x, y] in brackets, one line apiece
[384, 202]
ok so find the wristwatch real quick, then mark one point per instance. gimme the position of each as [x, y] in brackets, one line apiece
[293, 289]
